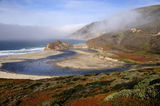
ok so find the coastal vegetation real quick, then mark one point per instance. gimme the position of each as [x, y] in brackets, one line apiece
[140, 86]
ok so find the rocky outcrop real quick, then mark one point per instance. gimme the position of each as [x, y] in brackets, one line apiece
[134, 30]
[58, 45]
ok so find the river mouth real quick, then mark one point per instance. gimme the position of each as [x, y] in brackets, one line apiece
[41, 66]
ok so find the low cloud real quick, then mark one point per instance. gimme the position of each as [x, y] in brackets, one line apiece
[121, 21]
[19, 32]
[71, 28]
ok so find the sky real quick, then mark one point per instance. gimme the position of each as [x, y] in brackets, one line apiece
[62, 15]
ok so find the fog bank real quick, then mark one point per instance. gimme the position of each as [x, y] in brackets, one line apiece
[125, 20]
[19, 32]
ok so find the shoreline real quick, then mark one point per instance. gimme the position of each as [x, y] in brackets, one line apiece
[11, 75]
[22, 57]
[83, 60]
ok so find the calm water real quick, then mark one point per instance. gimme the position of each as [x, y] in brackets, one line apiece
[41, 67]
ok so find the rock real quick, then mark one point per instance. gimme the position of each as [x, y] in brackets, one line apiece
[110, 59]
[134, 30]
[58, 45]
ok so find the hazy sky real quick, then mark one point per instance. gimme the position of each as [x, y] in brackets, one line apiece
[60, 15]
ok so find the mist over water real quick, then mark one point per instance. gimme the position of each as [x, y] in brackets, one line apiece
[22, 32]
[19, 32]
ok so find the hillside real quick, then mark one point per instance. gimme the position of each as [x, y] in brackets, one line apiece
[145, 37]
[119, 22]
[85, 32]
[138, 87]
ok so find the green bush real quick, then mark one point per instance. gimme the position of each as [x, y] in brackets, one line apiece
[110, 97]
[147, 89]
[129, 61]
[146, 82]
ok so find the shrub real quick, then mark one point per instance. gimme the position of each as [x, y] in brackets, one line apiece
[111, 96]
[129, 61]
[146, 82]
[147, 89]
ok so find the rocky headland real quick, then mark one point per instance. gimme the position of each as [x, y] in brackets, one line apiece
[58, 45]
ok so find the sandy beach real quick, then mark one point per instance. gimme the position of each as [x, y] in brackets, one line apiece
[19, 58]
[8, 75]
[83, 60]
[87, 61]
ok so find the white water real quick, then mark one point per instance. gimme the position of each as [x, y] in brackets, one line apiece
[20, 51]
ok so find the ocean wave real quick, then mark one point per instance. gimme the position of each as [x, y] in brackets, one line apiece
[20, 51]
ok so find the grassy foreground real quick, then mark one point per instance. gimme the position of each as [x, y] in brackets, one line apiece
[134, 87]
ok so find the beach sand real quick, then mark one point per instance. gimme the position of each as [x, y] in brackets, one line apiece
[84, 60]
[87, 61]
[19, 58]
[8, 75]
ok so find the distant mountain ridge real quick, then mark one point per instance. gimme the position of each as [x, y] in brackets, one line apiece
[119, 23]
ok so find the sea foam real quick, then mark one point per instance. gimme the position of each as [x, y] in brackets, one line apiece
[19, 51]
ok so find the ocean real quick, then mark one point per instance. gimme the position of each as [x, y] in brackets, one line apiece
[8, 48]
